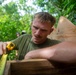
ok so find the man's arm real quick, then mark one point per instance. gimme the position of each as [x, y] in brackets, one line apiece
[62, 52]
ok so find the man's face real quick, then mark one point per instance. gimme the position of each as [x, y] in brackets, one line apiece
[40, 31]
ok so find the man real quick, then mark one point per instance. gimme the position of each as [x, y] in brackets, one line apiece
[41, 26]
[64, 52]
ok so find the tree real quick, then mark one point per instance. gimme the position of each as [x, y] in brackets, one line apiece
[12, 21]
[59, 8]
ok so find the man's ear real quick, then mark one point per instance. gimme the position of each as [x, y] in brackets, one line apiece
[51, 30]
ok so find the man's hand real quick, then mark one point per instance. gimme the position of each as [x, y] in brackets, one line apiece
[1, 51]
[3, 47]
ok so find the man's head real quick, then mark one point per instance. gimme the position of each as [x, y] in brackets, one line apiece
[42, 24]
[17, 34]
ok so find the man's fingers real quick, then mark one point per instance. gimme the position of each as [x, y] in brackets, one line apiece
[1, 51]
[4, 47]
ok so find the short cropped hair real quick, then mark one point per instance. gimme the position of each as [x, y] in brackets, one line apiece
[45, 17]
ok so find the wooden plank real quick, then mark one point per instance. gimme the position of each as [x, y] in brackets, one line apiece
[40, 67]
[32, 67]
[7, 69]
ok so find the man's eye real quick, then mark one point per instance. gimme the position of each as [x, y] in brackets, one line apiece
[44, 30]
[35, 27]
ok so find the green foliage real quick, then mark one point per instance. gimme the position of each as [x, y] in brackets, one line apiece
[10, 6]
[22, 1]
[12, 55]
[26, 22]
[59, 8]
[11, 22]
[66, 8]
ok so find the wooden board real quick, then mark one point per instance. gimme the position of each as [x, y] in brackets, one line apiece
[38, 67]
[65, 31]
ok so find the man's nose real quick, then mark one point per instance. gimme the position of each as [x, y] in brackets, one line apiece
[38, 32]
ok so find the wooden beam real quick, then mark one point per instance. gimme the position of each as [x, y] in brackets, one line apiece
[38, 67]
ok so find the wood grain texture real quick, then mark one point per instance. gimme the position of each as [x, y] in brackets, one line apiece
[38, 67]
